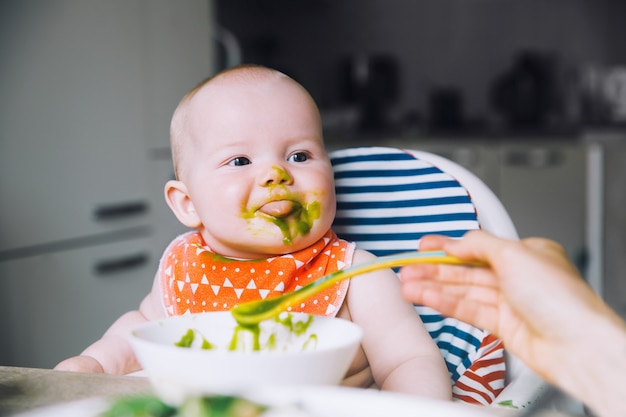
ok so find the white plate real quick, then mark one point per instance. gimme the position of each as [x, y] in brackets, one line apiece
[316, 401]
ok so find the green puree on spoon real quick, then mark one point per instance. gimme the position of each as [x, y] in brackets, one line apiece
[250, 314]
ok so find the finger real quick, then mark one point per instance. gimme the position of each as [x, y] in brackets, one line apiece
[432, 242]
[449, 274]
[542, 244]
[476, 245]
[418, 272]
[469, 304]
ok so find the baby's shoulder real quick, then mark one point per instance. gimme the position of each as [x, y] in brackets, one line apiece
[361, 256]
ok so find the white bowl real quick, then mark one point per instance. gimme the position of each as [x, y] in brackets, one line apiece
[176, 372]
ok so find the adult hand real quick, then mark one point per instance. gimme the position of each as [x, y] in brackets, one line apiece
[532, 297]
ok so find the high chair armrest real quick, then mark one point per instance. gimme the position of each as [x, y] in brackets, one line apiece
[521, 392]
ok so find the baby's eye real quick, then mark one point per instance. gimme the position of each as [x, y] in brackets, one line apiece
[239, 161]
[299, 157]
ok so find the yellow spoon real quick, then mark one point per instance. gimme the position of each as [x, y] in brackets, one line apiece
[253, 312]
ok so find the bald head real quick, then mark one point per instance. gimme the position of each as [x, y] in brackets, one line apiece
[196, 106]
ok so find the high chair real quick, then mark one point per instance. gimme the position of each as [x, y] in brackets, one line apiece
[387, 199]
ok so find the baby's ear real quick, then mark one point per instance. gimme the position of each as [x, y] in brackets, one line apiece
[179, 201]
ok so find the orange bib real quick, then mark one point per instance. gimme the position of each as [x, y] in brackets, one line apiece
[193, 279]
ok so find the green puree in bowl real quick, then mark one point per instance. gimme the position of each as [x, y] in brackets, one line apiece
[297, 328]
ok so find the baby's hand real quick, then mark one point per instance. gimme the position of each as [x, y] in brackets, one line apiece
[80, 364]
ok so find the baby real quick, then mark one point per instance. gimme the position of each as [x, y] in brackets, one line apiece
[255, 184]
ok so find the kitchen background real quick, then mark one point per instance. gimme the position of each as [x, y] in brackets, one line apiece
[529, 95]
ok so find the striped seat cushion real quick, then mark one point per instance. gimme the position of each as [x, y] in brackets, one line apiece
[387, 199]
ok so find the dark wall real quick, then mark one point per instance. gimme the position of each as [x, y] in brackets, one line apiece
[464, 44]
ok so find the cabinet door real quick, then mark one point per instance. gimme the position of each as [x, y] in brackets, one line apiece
[55, 305]
[178, 55]
[542, 185]
[71, 118]
[614, 285]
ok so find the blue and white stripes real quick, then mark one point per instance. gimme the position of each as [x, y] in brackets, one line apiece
[387, 200]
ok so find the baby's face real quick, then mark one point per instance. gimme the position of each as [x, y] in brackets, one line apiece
[259, 176]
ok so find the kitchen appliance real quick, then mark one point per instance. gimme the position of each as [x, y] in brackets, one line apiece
[371, 82]
[524, 95]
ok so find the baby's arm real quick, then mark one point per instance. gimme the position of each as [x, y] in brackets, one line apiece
[112, 354]
[401, 354]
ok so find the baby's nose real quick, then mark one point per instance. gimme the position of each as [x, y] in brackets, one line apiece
[276, 175]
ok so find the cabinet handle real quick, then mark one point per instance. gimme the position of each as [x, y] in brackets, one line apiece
[114, 266]
[121, 210]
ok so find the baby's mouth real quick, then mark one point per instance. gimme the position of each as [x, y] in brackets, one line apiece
[279, 208]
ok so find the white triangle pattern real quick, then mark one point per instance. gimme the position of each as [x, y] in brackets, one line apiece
[227, 283]
[330, 309]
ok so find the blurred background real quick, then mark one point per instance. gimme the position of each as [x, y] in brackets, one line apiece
[473, 66]
[529, 95]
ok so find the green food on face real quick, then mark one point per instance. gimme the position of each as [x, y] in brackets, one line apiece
[283, 177]
[308, 215]
[204, 406]
[298, 223]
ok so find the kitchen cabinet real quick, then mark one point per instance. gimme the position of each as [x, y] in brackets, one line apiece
[178, 55]
[612, 245]
[60, 302]
[87, 90]
[71, 121]
[543, 186]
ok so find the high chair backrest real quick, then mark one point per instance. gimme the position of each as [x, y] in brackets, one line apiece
[387, 199]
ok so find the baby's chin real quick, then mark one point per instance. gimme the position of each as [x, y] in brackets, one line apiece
[274, 244]
[281, 245]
